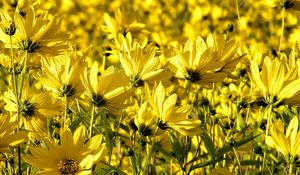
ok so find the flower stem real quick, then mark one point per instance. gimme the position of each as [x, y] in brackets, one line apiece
[238, 161]
[14, 84]
[23, 76]
[91, 122]
[66, 108]
[267, 132]
[291, 169]
[282, 29]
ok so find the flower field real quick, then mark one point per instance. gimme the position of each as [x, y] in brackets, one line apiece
[167, 87]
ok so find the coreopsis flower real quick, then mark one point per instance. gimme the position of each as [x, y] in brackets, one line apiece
[277, 82]
[286, 142]
[287, 4]
[108, 90]
[205, 63]
[144, 121]
[35, 107]
[36, 35]
[72, 156]
[121, 24]
[140, 62]
[61, 75]
[8, 136]
[168, 116]
[5, 63]
[8, 25]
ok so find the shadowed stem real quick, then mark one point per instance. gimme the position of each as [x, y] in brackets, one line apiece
[267, 132]
[238, 161]
[282, 29]
[66, 108]
[14, 84]
[92, 121]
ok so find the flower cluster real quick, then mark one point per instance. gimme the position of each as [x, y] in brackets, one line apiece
[149, 87]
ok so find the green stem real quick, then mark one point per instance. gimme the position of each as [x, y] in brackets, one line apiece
[91, 122]
[14, 81]
[282, 29]
[267, 132]
[23, 76]
[66, 108]
[150, 158]
[238, 161]
[18, 97]
[291, 169]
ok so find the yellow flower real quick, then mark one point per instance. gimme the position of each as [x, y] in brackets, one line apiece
[61, 75]
[8, 25]
[108, 90]
[144, 120]
[205, 63]
[288, 142]
[287, 4]
[167, 115]
[35, 107]
[121, 24]
[72, 156]
[36, 34]
[140, 62]
[277, 82]
[8, 137]
[5, 63]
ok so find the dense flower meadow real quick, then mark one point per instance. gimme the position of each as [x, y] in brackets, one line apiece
[167, 87]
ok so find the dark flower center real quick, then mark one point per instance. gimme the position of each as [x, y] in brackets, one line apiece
[68, 166]
[30, 46]
[162, 125]
[288, 4]
[145, 130]
[136, 81]
[11, 29]
[98, 100]
[27, 109]
[193, 75]
[68, 90]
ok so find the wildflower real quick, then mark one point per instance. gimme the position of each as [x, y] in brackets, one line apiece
[35, 107]
[144, 121]
[61, 74]
[8, 25]
[121, 24]
[108, 90]
[205, 63]
[167, 115]
[140, 63]
[277, 82]
[36, 35]
[5, 63]
[8, 137]
[288, 142]
[287, 4]
[71, 156]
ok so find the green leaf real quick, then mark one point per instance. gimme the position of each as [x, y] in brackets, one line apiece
[209, 145]
[228, 148]
[109, 135]
[75, 123]
[124, 127]
[177, 148]
[251, 163]
[159, 148]
[208, 163]
[240, 123]
[108, 170]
